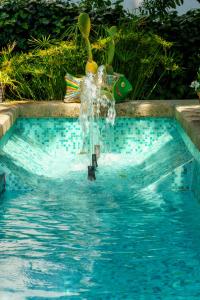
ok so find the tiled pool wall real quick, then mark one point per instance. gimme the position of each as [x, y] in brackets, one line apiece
[195, 165]
[62, 136]
[128, 135]
[55, 134]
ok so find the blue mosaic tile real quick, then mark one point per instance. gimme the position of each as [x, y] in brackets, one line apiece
[40, 140]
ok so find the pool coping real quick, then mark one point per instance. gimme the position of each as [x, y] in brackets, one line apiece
[187, 112]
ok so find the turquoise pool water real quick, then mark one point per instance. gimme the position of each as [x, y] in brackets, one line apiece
[132, 234]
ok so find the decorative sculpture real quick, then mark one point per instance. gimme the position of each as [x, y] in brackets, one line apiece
[97, 91]
[119, 86]
[84, 25]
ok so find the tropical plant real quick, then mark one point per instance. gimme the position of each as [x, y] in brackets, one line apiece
[183, 32]
[104, 12]
[139, 55]
[42, 43]
[196, 83]
[39, 74]
[158, 8]
[22, 19]
[5, 70]
[84, 25]
[112, 33]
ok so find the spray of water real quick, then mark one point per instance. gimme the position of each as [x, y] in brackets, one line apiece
[96, 101]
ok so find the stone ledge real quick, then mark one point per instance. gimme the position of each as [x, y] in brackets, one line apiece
[49, 109]
[187, 112]
[8, 115]
[189, 118]
[145, 109]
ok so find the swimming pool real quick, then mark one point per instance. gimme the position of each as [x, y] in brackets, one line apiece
[132, 234]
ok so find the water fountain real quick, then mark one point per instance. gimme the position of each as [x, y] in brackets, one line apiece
[98, 91]
[96, 100]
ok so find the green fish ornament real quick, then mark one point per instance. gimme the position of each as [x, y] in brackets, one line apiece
[117, 87]
[121, 88]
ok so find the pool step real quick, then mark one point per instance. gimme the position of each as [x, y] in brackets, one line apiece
[178, 178]
[2, 183]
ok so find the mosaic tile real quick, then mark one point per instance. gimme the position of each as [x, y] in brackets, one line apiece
[46, 138]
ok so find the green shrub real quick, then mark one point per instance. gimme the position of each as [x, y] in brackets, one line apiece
[158, 8]
[40, 73]
[183, 31]
[139, 55]
[22, 19]
[149, 63]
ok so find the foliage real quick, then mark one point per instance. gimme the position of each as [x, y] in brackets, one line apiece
[196, 83]
[22, 20]
[158, 69]
[40, 73]
[183, 31]
[5, 68]
[158, 8]
[112, 33]
[104, 12]
[139, 55]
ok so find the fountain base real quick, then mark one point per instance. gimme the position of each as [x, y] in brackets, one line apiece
[94, 161]
[91, 173]
[2, 183]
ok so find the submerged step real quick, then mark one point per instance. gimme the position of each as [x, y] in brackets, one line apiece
[178, 178]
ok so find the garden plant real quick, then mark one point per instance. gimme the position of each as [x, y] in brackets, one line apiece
[158, 51]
